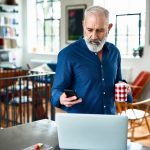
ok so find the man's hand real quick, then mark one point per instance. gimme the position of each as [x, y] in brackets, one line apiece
[129, 90]
[69, 101]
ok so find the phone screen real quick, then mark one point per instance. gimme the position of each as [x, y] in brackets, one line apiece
[70, 93]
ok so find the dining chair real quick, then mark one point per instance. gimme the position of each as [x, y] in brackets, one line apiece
[138, 111]
[138, 116]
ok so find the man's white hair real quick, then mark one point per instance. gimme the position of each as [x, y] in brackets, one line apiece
[97, 10]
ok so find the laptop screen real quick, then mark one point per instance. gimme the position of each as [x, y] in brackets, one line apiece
[89, 131]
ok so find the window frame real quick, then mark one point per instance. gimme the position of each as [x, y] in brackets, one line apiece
[45, 35]
[127, 35]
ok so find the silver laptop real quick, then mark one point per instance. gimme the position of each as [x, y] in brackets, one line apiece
[92, 132]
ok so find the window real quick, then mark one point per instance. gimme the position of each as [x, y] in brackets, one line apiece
[128, 35]
[45, 26]
[128, 32]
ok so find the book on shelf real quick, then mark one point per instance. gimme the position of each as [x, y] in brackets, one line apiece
[6, 43]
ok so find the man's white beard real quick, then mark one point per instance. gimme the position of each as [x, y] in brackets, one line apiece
[95, 47]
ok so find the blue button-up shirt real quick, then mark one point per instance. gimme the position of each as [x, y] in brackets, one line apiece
[93, 80]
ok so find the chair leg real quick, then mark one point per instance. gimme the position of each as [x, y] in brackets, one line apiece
[132, 128]
[147, 124]
[132, 132]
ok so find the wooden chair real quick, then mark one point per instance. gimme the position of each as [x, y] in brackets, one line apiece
[138, 114]
[139, 110]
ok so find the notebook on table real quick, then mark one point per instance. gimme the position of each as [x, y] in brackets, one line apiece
[92, 132]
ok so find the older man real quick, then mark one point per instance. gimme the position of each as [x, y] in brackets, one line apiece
[90, 66]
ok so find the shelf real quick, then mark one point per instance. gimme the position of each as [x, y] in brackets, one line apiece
[8, 6]
[7, 9]
[9, 35]
[9, 49]
[2, 4]
[9, 25]
[4, 13]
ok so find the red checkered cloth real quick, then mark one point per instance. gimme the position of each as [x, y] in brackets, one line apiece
[121, 92]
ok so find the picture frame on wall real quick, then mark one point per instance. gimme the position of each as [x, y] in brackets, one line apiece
[74, 18]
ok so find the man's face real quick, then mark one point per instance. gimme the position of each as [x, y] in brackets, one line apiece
[95, 31]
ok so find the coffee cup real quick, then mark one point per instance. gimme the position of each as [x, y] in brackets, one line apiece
[121, 91]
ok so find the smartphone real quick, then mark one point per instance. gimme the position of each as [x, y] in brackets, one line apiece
[70, 93]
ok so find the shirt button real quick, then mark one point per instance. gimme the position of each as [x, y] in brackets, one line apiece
[101, 66]
[104, 106]
[104, 93]
[103, 79]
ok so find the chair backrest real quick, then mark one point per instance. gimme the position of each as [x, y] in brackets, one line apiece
[139, 83]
